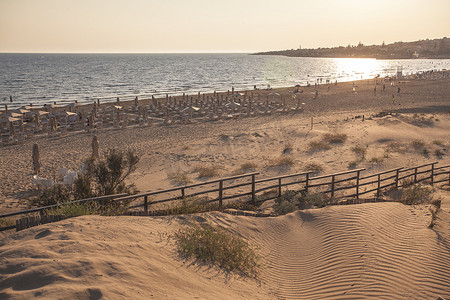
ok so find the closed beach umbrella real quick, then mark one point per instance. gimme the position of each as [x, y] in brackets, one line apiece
[35, 156]
[95, 147]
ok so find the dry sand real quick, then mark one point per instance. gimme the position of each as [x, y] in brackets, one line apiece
[367, 251]
[378, 251]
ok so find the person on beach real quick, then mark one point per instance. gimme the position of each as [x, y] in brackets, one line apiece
[375, 91]
[398, 90]
[393, 98]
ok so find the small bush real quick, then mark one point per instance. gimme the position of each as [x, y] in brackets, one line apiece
[395, 147]
[76, 209]
[359, 150]
[438, 153]
[293, 200]
[438, 143]
[415, 194]
[334, 138]
[319, 145]
[7, 222]
[376, 160]
[178, 177]
[58, 193]
[206, 171]
[418, 144]
[314, 167]
[217, 246]
[189, 205]
[352, 165]
[282, 161]
[425, 152]
[245, 167]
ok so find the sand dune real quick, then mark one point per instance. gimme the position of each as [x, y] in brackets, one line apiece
[367, 251]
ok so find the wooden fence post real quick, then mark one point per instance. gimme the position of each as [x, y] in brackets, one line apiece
[279, 187]
[182, 193]
[432, 174]
[396, 179]
[220, 192]
[415, 175]
[332, 186]
[378, 187]
[357, 184]
[146, 203]
[307, 183]
[253, 190]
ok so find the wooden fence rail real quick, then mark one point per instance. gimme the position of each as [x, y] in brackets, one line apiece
[333, 185]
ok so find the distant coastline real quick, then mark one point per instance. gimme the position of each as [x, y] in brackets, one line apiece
[427, 49]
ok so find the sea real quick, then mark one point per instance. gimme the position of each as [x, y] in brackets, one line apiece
[65, 78]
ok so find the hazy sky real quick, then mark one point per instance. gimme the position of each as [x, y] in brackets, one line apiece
[214, 26]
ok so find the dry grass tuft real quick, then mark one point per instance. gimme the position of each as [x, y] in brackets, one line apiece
[319, 145]
[282, 161]
[206, 171]
[418, 144]
[314, 167]
[179, 177]
[245, 167]
[359, 150]
[334, 138]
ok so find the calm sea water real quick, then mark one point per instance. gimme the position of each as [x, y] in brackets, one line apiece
[64, 78]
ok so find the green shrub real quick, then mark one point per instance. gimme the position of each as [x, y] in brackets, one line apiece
[75, 209]
[189, 205]
[58, 193]
[293, 200]
[216, 246]
[415, 194]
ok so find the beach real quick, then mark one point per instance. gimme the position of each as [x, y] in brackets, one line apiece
[371, 250]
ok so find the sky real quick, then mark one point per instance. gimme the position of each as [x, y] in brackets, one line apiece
[208, 26]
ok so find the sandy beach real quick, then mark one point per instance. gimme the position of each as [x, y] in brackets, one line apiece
[366, 251]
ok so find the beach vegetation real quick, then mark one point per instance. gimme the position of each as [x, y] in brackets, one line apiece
[314, 167]
[438, 153]
[418, 144]
[246, 167]
[438, 143]
[352, 164]
[425, 152]
[75, 209]
[376, 160]
[58, 193]
[282, 161]
[359, 151]
[215, 245]
[334, 138]
[179, 177]
[7, 222]
[434, 209]
[292, 200]
[318, 145]
[204, 171]
[415, 194]
[395, 147]
[189, 205]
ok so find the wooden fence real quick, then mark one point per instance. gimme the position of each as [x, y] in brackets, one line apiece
[340, 188]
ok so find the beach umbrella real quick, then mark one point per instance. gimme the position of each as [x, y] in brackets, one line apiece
[35, 157]
[95, 147]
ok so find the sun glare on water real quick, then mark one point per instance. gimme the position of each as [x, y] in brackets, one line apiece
[356, 68]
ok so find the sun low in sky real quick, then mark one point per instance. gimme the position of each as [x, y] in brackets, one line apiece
[153, 26]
